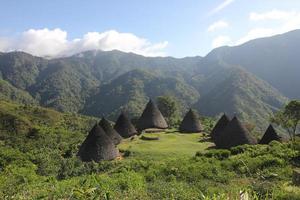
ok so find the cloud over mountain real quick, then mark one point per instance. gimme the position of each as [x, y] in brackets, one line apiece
[221, 24]
[54, 43]
[281, 21]
[221, 41]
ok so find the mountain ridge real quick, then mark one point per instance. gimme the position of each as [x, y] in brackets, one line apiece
[80, 83]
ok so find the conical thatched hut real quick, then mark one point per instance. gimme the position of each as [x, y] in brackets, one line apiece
[124, 126]
[234, 134]
[97, 146]
[220, 125]
[269, 136]
[110, 131]
[190, 123]
[152, 118]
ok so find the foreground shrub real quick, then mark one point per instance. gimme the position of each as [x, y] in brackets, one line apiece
[215, 153]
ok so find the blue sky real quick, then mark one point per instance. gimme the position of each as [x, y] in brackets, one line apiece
[154, 28]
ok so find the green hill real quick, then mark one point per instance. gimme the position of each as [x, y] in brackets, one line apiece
[132, 90]
[274, 59]
[28, 127]
[21, 69]
[242, 94]
[9, 92]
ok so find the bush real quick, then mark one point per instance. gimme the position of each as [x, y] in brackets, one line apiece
[219, 154]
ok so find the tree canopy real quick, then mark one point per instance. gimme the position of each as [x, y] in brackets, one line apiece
[170, 108]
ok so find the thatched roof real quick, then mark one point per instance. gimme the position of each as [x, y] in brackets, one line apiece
[269, 136]
[124, 126]
[97, 146]
[110, 131]
[220, 125]
[234, 134]
[152, 118]
[191, 123]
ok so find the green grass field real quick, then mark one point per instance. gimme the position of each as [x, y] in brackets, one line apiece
[170, 144]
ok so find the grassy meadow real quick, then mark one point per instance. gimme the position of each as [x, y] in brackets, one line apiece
[171, 144]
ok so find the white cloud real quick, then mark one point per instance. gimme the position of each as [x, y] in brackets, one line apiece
[287, 21]
[43, 42]
[54, 43]
[256, 33]
[221, 41]
[272, 15]
[221, 6]
[218, 25]
[4, 43]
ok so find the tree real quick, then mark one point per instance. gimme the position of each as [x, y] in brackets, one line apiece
[170, 108]
[289, 118]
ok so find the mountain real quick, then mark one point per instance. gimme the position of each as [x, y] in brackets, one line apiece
[260, 73]
[132, 90]
[108, 65]
[273, 59]
[9, 92]
[66, 83]
[241, 93]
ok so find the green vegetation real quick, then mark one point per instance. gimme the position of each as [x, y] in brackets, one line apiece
[170, 108]
[132, 90]
[38, 160]
[9, 92]
[289, 118]
[171, 144]
[239, 92]
[103, 83]
[273, 59]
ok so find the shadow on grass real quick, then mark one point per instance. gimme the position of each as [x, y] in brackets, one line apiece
[211, 147]
[173, 131]
[206, 139]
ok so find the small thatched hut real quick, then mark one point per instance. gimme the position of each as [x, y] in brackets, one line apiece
[97, 146]
[124, 126]
[269, 136]
[190, 123]
[110, 131]
[220, 125]
[152, 118]
[234, 134]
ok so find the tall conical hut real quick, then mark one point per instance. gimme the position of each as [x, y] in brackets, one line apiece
[191, 123]
[124, 126]
[110, 131]
[220, 126]
[151, 118]
[270, 135]
[234, 134]
[97, 146]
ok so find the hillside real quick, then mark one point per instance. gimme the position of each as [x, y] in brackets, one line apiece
[242, 94]
[21, 69]
[273, 59]
[132, 90]
[66, 83]
[9, 92]
[103, 82]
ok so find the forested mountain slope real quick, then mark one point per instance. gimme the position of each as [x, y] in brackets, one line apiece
[274, 59]
[103, 83]
[241, 93]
